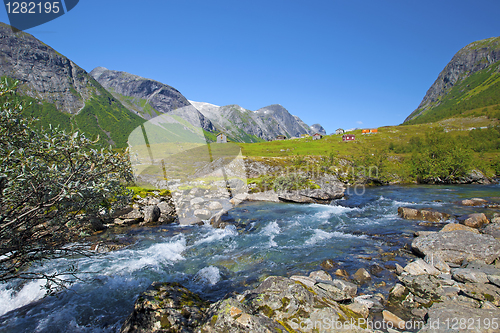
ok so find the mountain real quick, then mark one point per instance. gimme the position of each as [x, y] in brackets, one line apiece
[61, 92]
[471, 80]
[317, 128]
[148, 98]
[244, 125]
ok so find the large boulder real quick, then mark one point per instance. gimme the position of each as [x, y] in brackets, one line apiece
[280, 304]
[422, 214]
[166, 307]
[448, 316]
[473, 220]
[457, 246]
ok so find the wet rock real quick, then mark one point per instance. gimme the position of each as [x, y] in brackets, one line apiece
[166, 307]
[455, 226]
[362, 276]
[328, 264]
[342, 273]
[473, 220]
[422, 214]
[474, 202]
[455, 246]
[216, 220]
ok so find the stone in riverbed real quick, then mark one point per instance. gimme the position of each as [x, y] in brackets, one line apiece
[455, 226]
[474, 202]
[362, 276]
[473, 220]
[456, 246]
[166, 307]
[422, 214]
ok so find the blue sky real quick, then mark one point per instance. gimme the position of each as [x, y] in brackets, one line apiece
[338, 63]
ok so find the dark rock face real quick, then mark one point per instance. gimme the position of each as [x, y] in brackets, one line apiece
[44, 73]
[149, 98]
[470, 59]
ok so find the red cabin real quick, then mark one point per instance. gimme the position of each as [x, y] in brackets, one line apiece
[348, 137]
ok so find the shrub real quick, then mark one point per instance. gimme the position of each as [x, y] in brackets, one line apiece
[49, 180]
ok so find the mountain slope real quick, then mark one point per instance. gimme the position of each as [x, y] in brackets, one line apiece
[148, 98]
[243, 125]
[62, 93]
[469, 81]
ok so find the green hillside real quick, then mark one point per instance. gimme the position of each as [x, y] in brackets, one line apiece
[479, 90]
[102, 116]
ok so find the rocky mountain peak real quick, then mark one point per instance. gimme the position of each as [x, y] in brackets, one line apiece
[471, 59]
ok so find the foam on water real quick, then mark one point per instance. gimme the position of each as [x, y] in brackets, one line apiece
[216, 234]
[321, 235]
[271, 230]
[208, 276]
[155, 256]
[11, 299]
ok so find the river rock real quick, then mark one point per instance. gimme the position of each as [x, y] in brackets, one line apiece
[214, 205]
[455, 246]
[422, 214]
[166, 307]
[427, 287]
[446, 317]
[390, 317]
[151, 214]
[473, 220]
[492, 229]
[202, 214]
[270, 196]
[455, 226]
[438, 262]
[469, 275]
[473, 202]
[362, 276]
[320, 276]
[419, 267]
[278, 304]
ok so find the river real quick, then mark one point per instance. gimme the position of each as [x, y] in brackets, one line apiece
[361, 230]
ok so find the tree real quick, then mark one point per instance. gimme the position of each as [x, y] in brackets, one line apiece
[50, 181]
